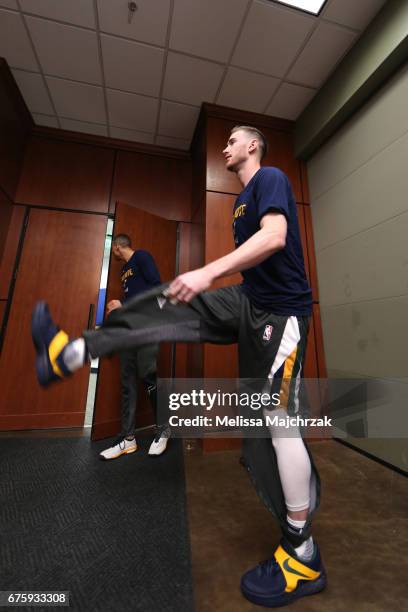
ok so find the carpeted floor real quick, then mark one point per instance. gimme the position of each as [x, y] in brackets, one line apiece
[113, 533]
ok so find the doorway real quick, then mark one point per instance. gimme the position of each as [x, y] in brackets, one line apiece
[159, 237]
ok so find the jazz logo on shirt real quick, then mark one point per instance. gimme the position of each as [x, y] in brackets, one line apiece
[240, 211]
[267, 332]
[126, 275]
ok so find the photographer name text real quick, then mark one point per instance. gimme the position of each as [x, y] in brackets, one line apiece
[240, 421]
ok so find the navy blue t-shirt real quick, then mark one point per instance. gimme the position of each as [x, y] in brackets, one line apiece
[278, 284]
[139, 274]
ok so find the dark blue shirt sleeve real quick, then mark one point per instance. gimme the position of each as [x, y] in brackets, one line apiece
[147, 266]
[272, 193]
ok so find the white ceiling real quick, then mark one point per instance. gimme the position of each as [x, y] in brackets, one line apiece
[80, 65]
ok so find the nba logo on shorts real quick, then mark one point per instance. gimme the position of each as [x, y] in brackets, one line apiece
[267, 332]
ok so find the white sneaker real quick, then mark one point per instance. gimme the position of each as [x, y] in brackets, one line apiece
[124, 447]
[159, 444]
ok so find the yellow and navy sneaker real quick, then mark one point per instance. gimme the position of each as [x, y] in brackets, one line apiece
[284, 578]
[49, 342]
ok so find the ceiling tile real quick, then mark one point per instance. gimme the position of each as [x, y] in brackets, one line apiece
[132, 66]
[12, 29]
[132, 135]
[12, 4]
[351, 13]
[206, 27]
[77, 100]
[247, 90]
[201, 84]
[66, 51]
[177, 120]
[132, 111]
[83, 126]
[324, 50]
[79, 12]
[149, 23]
[290, 101]
[173, 143]
[45, 120]
[34, 92]
[271, 38]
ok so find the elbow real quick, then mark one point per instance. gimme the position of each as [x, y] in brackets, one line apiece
[281, 243]
[274, 242]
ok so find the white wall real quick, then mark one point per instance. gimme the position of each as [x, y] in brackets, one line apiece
[359, 196]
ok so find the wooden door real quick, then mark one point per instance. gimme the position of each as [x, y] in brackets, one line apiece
[60, 263]
[159, 237]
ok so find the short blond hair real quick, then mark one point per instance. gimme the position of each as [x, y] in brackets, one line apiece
[255, 133]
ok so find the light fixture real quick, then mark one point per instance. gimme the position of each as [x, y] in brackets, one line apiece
[308, 6]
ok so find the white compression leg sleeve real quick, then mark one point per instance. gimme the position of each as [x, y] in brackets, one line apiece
[293, 463]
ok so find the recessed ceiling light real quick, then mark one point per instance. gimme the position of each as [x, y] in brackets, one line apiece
[309, 6]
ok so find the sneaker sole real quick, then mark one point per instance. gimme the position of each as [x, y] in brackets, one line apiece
[303, 590]
[41, 359]
[125, 452]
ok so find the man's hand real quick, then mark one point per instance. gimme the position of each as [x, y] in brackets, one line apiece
[113, 305]
[188, 285]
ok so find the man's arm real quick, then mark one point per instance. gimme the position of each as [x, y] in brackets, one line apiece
[264, 243]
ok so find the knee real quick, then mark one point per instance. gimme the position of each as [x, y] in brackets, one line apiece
[276, 442]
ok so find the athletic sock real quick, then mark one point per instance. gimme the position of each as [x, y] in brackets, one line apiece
[75, 354]
[306, 549]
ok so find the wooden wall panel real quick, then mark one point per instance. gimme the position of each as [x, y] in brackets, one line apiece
[12, 140]
[303, 237]
[218, 238]
[199, 168]
[218, 178]
[280, 154]
[10, 249]
[220, 361]
[3, 304]
[6, 207]
[310, 368]
[60, 174]
[150, 235]
[184, 247]
[198, 229]
[305, 183]
[181, 354]
[15, 125]
[321, 360]
[60, 263]
[197, 259]
[159, 237]
[159, 185]
[182, 360]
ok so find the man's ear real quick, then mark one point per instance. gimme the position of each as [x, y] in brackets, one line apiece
[252, 145]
